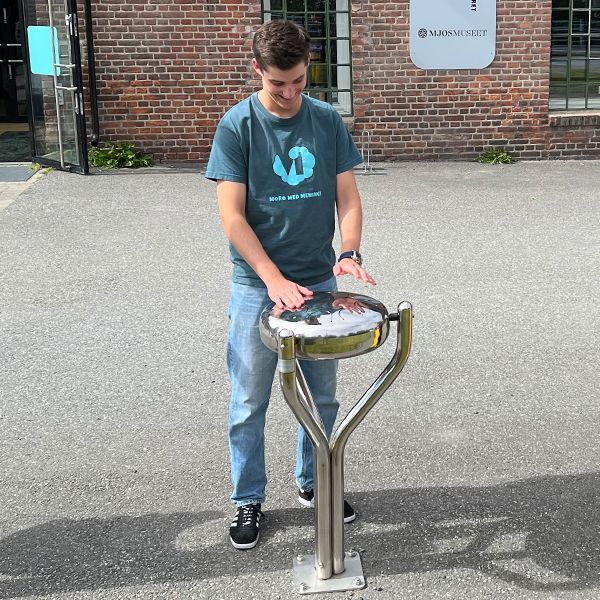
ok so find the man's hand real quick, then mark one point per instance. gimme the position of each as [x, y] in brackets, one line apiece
[347, 266]
[287, 294]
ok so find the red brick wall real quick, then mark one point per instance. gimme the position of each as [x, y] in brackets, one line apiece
[167, 71]
[416, 114]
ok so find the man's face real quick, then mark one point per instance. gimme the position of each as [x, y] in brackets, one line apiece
[283, 88]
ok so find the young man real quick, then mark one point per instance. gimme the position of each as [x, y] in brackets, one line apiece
[283, 163]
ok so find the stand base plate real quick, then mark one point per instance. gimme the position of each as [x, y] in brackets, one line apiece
[307, 582]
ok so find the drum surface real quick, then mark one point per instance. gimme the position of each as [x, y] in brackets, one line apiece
[329, 325]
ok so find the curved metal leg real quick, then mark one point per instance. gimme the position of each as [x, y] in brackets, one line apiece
[353, 419]
[288, 379]
[307, 397]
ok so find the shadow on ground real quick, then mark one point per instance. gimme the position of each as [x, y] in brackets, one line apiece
[540, 534]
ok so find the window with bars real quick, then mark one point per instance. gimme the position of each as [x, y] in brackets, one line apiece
[575, 55]
[328, 24]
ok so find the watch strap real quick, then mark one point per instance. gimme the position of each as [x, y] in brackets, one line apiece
[352, 254]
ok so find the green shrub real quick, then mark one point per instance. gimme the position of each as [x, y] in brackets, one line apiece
[118, 157]
[496, 157]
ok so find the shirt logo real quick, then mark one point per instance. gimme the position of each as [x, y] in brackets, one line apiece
[293, 177]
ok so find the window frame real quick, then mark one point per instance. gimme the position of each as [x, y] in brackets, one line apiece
[575, 56]
[341, 97]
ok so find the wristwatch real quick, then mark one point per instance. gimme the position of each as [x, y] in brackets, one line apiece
[353, 254]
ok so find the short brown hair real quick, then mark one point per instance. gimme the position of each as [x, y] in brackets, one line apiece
[282, 44]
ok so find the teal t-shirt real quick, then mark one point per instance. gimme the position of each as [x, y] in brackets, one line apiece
[289, 167]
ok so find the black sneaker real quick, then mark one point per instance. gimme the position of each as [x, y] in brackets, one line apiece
[307, 498]
[243, 532]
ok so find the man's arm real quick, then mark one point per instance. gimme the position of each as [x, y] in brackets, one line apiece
[349, 212]
[232, 204]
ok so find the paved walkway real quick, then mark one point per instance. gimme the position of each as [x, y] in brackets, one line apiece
[11, 190]
[476, 477]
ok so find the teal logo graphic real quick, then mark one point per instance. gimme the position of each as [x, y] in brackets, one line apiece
[300, 156]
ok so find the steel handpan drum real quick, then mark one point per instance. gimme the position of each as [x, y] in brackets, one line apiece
[329, 325]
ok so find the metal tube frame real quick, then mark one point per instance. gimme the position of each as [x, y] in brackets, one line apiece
[55, 64]
[365, 150]
[329, 560]
[288, 379]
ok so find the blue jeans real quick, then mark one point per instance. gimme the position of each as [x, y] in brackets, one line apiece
[251, 367]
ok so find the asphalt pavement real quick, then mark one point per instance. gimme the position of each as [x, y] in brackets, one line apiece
[475, 477]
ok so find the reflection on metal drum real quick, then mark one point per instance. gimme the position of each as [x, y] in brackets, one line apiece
[329, 325]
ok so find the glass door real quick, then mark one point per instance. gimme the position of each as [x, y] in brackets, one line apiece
[15, 139]
[55, 84]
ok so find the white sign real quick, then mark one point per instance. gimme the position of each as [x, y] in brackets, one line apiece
[452, 34]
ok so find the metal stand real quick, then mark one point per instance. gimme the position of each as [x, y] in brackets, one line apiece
[331, 569]
[365, 149]
[306, 581]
